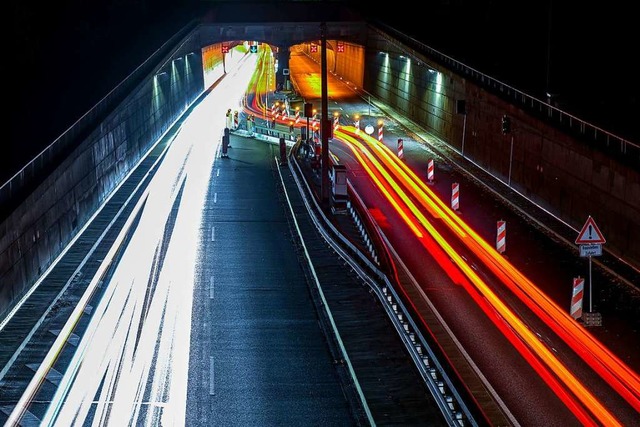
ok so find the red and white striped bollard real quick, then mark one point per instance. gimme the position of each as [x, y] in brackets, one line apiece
[430, 171]
[455, 196]
[400, 149]
[501, 239]
[576, 297]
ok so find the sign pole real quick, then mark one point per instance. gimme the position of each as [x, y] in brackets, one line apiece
[590, 289]
[590, 240]
[510, 160]
[326, 124]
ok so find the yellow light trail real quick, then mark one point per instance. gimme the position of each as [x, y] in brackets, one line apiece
[624, 380]
[571, 382]
[618, 375]
[383, 189]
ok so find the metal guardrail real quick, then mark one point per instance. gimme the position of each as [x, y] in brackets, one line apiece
[531, 104]
[274, 133]
[451, 404]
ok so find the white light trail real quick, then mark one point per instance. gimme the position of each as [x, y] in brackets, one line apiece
[137, 343]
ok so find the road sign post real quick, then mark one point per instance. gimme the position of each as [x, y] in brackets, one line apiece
[590, 240]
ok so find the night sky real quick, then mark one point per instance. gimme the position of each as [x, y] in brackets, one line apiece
[63, 61]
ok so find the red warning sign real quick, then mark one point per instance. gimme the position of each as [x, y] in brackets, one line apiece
[590, 233]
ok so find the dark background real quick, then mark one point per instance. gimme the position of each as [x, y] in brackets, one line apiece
[64, 57]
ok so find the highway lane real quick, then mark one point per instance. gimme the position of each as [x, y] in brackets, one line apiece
[257, 355]
[479, 259]
[503, 367]
[401, 241]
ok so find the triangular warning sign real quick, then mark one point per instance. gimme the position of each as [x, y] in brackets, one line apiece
[590, 233]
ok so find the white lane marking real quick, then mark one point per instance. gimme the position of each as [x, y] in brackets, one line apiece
[213, 234]
[215, 197]
[211, 377]
[218, 172]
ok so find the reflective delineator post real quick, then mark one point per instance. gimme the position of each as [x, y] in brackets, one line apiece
[576, 297]
[501, 238]
[380, 130]
[229, 119]
[455, 196]
[250, 124]
[356, 124]
[225, 143]
[400, 149]
[314, 124]
[276, 115]
[283, 152]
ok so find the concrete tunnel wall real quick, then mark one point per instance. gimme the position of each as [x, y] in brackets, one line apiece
[33, 235]
[569, 177]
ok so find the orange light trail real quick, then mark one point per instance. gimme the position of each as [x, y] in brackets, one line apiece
[444, 260]
[374, 176]
[571, 382]
[611, 368]
[624, 380]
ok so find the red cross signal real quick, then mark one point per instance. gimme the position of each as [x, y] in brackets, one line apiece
[225, 48]
[314, 48]
[340, 46]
